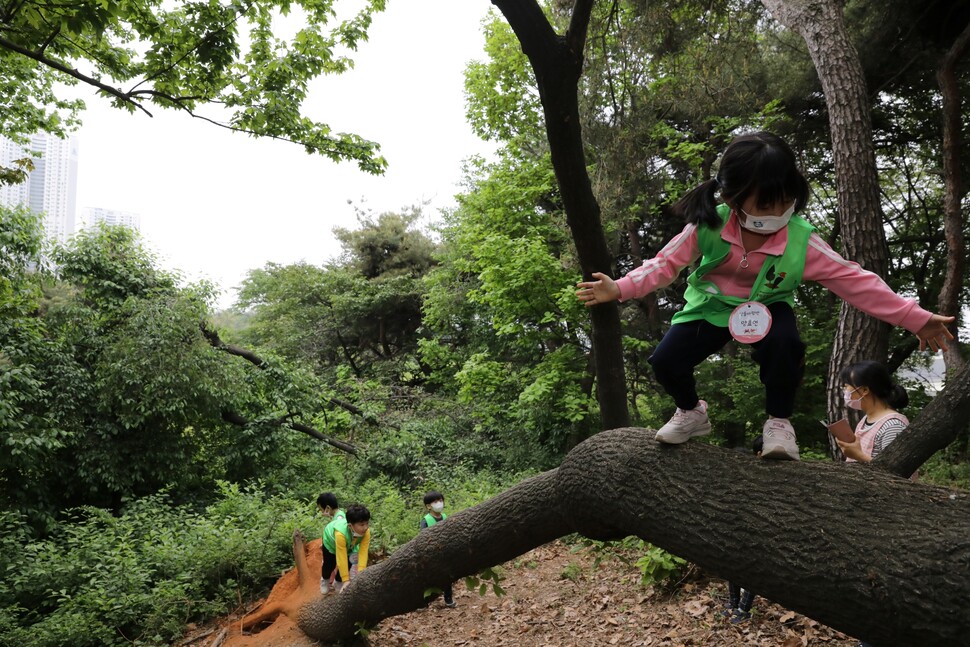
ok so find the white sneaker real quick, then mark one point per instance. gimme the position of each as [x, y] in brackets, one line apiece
[685, 425]
[324, 585]
[779, 440]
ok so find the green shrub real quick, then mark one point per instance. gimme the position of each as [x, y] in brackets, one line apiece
[947, 468]
[658, 566]
[140, 577]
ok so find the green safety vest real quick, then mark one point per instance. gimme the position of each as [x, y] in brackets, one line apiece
[430, 520]
[777, 281]
[339, 523]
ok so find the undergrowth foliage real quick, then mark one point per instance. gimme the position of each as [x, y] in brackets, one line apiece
[656, 566]
[139, 578]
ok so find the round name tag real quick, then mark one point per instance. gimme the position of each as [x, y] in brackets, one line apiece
[750, 322]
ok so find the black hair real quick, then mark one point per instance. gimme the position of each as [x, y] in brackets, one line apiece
[328, 499]
[758, 444]
[357, 513]
[875, 377]
[759, 164]
[432, 496]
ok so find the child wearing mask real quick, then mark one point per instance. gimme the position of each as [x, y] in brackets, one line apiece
[434, 503]
[346, 541]
[753, 252]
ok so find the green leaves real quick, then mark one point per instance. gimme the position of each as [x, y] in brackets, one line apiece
[140, 577]
[197, 57]
[489, 577]
[503, 100]
[106, 376]
[657, 566]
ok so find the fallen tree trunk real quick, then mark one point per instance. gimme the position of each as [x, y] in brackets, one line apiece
[855, 547]
[868, 553]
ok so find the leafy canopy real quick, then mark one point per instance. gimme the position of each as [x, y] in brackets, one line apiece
[219, 61]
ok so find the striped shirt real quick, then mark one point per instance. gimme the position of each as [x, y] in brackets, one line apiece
[880, 432]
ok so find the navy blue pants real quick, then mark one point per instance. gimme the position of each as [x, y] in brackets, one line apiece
[781, 356]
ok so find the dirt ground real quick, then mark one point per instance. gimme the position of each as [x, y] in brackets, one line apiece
[559, 596]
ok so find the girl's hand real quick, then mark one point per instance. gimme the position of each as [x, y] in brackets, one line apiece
[602, 290]
[935, 333]
[853, 450]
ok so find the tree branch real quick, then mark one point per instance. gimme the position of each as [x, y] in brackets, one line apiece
[578, 26]
[61, 67]
[235, 418]
[216, 342]
[535, 34]
[50, 39]
[663, 494]
[937, 425]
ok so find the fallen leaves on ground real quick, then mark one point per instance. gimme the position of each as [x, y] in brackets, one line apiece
[559, 597]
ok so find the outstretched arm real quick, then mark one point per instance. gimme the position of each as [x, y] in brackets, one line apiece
[935, 333]
[655, 273]
[602, 290]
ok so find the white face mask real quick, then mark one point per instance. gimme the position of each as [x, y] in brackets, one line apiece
[849, 402]
[767, 224]
[438, 506]
[355, 533]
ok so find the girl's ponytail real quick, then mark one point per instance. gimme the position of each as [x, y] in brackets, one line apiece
[698, 206]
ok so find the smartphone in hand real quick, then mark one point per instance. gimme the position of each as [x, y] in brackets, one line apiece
[840, 429]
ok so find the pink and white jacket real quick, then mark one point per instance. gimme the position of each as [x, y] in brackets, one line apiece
[846, 279]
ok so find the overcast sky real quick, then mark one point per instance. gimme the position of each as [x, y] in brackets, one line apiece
[215, 204]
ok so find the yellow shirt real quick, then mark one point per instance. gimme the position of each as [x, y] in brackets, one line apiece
[359, 545]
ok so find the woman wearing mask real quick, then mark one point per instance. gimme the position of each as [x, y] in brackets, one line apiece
[869, 388]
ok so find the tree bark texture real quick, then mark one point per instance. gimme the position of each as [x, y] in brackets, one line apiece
[953, 192]
[557, 62]
[821, 25]
[901, 550]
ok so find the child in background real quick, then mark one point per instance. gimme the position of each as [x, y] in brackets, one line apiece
[754, 253]
[740, 600]
[330, 509]
[346, 541]
[870, 388]
[434, 503]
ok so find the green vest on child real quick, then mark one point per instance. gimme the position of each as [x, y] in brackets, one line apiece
[776, 282]
[339, 523]
[430, 520]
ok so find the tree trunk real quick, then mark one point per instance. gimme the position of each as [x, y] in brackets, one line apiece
[820, 24]
[953, 192]
[557, 62]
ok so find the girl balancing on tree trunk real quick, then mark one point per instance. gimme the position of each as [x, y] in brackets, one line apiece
[754, 252]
